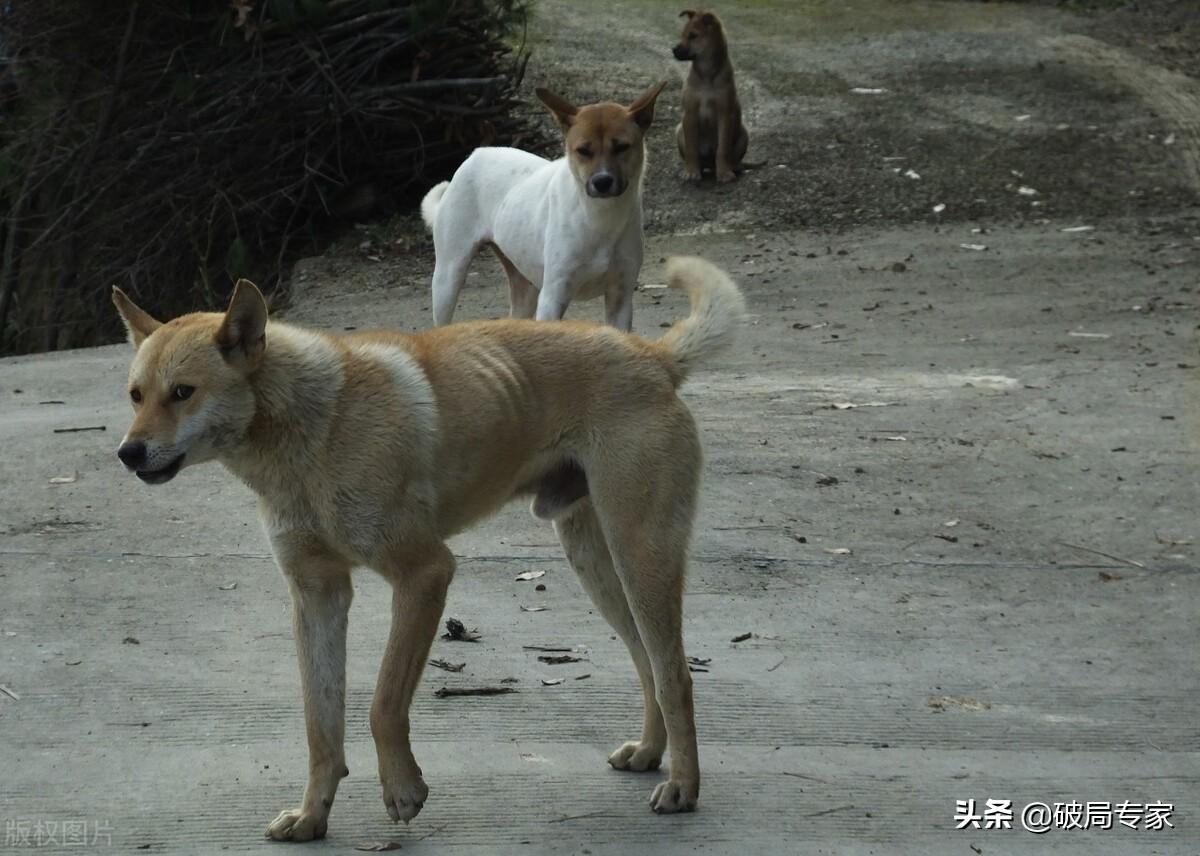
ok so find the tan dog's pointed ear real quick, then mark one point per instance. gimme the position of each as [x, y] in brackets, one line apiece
[242, 336]
[642, 110]
[138, 323]
[564, 111]
[688, 13]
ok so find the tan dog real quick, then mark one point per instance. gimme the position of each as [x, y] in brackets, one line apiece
[563, 230]
[711, 136]
[373, 448]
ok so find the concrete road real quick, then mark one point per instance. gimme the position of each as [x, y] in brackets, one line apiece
[951, 494]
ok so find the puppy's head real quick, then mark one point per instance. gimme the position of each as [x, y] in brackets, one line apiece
[188, 383]
[604, 142]
[702, 36]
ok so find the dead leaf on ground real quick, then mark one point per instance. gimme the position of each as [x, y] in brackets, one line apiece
[447, 666]
[378, 846]
[525, 608]
[228, 587]
[943, 703]
[837, 551]
[71, 479]
[1109, 576]
[559, 659]
[849, 405]
[456, 631]
[552, 682]
[529, 575]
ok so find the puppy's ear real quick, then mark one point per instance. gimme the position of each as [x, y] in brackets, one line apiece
[642, 110]
[688, 13]
[242, 336]
[564, 111]
[138, 323]
[708, 19]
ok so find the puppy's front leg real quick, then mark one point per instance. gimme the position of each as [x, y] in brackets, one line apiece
[727, 129]
[690, 128]
[419, 584]
[321, 595]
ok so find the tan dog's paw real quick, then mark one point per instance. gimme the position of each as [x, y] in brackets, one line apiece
[294, 825]
[636, 757]
[726, 175]
[404, 797]
[674, 796]
[690, 174]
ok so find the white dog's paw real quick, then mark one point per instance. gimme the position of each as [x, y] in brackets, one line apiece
[673, 796]
[636, 757]
[295, 825]
[404, 798]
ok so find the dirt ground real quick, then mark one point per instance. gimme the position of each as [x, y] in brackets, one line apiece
[950, 489]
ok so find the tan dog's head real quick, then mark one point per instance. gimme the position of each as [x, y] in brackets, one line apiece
[188, 383]
[702, 36]
[604, 142]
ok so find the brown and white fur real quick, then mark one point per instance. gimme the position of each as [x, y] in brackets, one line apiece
[711, 136]
[372, 449]
[563, 230]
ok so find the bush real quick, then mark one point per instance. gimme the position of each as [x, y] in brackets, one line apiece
[171, 147]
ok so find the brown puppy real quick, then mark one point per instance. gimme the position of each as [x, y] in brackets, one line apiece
[711, 136]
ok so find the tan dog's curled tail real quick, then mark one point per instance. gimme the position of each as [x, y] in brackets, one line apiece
[429, 205]
[717, 310]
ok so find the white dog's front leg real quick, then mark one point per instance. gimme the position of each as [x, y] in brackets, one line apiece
[618, 299]
[321, 595]
[552, 301]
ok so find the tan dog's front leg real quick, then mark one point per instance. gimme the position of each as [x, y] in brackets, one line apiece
[727, 130]
[418, 597]
[321, 595]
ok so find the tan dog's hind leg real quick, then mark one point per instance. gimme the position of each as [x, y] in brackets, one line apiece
[321, 595]
[419, 584]
[588, 554]
[645, 501]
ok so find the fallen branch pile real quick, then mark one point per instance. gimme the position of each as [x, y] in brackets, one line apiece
[170, 147]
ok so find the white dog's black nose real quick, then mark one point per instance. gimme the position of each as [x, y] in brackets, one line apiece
[132, 454]
[602, 184]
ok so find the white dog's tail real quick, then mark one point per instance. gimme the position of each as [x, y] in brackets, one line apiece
[429, 205]
[717, 309]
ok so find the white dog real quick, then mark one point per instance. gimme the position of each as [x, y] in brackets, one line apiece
[564, 229]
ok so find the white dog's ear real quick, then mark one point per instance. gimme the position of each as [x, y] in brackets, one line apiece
[242, 336]
[642, 110]
[138, 323]
[564, 111]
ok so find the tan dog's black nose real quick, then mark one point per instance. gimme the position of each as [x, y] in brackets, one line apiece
[132, 454]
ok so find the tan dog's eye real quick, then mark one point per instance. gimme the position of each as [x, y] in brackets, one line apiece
[691, 36]
[136, 396]
[619, 146]
[182, 392]
[584, 152]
